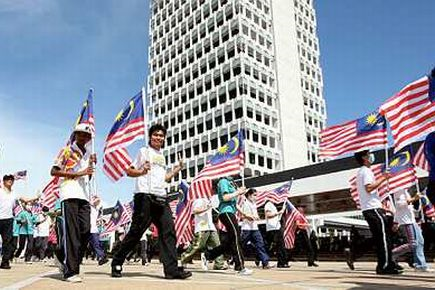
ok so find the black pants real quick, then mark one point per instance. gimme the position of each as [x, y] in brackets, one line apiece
[381, 236]
[6, 234]
[275, 243]
[430, 191]
[23, 240]
[145, 212]
[232, 244]
[76, 214]
[41, 244]
[307, 243]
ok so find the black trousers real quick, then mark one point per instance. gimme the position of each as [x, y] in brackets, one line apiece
[6, 234]
[29, 247]
[430, 191]
[303, 233]
[41, 244]
[232, 244]
[76, 215]
[146, 211]
[381, 236]
[275, 243]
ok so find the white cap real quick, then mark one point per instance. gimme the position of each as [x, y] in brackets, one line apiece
[85, 128]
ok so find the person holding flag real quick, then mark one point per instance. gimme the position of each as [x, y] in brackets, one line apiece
[150, 205]
[373, 212]
[274, 236]
[75, 167]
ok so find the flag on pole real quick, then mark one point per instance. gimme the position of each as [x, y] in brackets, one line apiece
[428, 207]
[368, 132]
[290, 227]
[411, 112]
[276, 195]
[20, 175]
[86, 115]
[129, 126]
[183, 216]
[50, 193]
[420, 159]
[17, 208]
[120, 216]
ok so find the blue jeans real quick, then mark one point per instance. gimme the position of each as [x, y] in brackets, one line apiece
[257, 240]
[419, 259]
[96, 245]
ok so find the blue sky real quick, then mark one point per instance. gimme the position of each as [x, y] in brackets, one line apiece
[52, 51]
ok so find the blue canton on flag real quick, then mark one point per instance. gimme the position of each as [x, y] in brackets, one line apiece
[371, 122]
[184, 189]
[230, 150]
[401, 161]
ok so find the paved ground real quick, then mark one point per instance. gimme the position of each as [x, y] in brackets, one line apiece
[330, 275]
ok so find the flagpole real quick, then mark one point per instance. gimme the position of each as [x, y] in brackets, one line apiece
[387, 169]
[145, 124]
[94, 177]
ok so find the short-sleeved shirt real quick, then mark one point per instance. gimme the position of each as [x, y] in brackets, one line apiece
[249, 208]
[272, 224]
[73, 159]
[26, 221]
[404, 214]
[226, 187]
[368, 200]
[7, 203]
[154, 181]
[43, 229]
[203, 221]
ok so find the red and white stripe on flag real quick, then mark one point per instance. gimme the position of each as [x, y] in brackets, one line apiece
[344, 139]
[420, 159]
[115, 163]
[410, 113]
[290, 226]
[50, 193]
[402, 180]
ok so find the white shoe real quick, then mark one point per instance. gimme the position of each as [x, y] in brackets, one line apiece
[74, 279]
[204, 262]
[246, 272]
[59, 265]
[424, 270]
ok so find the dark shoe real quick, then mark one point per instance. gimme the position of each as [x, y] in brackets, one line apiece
[257, 263]
[283, 266]
[179, 275]
[398, 267]
[117, 271]
[5, 266]
[313, 265]
[349, 260]
[103, 261]
[388, 271]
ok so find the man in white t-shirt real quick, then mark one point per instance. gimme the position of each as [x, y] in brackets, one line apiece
[374, 213]
[274, 236]
[405, 218]
[94, 239]
[8, 200]
[250, 231]
[150, 205]
[206, 235]
[75, 167]
[41, 233]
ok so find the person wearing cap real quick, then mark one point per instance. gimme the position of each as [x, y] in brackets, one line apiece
[151, 206]
[374, 213]
[75, 167]
[8, 200]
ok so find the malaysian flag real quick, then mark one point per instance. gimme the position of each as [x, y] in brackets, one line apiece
[420, 159]
[50, 193]
[183, 215]
[20, 175]
[129, 126]
[86, 115]
[428, 207]
[17, 208]
[290, 227]
[229, 160]
[277, 195]
[411, 112]
[368, 132]
[402, 176]
[121, 215]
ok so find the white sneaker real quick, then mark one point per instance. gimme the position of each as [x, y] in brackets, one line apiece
[204, 262]
[74, 279]
[59, 265]
[246, 272]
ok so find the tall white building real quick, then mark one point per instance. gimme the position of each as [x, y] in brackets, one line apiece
[217, 66]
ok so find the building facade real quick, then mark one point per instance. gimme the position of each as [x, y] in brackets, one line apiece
[218, 66]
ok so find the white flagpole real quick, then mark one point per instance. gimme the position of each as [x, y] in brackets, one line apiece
[146, 121]
[387, 169]
[93, 190]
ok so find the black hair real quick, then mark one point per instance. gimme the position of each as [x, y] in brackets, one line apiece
[8, 177]
[45, 209]
[155, 128]
[359, 156]
[250, 192]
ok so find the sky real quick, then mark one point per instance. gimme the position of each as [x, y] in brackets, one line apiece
[52, 52]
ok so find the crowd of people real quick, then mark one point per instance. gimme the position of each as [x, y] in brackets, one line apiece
[228, 230]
